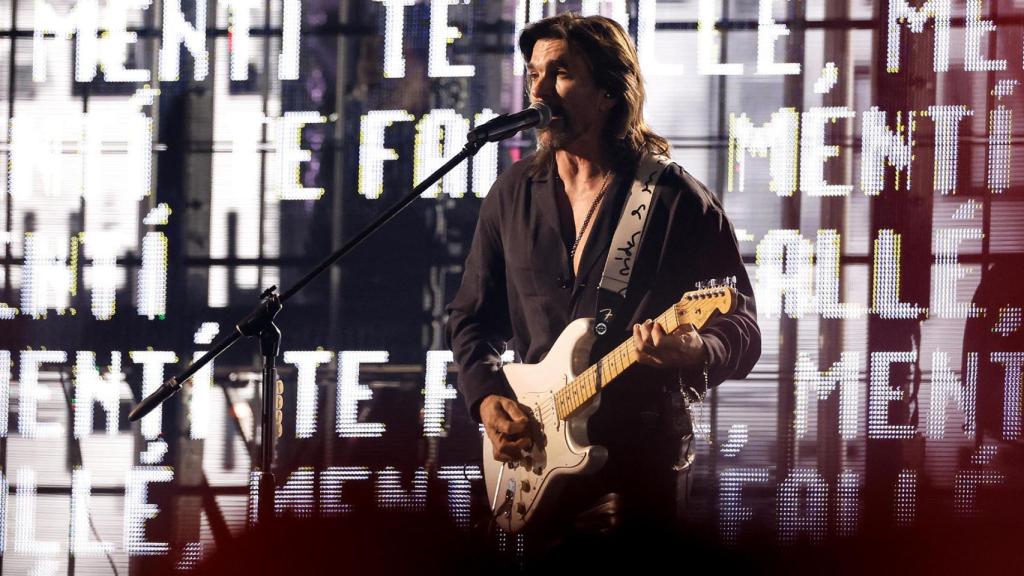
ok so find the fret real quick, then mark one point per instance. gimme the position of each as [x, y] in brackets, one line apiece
[678, 311]
[665, 321]
[613, 359]
[693, 308]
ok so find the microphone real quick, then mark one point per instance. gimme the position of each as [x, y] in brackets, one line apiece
[538, 115]
[165, 391]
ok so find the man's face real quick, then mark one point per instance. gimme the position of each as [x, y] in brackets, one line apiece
[561, 79]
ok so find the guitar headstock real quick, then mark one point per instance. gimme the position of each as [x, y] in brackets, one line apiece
[698, 306]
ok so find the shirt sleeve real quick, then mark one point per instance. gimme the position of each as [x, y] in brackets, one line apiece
[478, 318]
[733, 341]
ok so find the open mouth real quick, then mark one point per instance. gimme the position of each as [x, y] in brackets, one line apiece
[556, 111]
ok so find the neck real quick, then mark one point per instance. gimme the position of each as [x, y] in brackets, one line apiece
[581, 389]
[581, 167]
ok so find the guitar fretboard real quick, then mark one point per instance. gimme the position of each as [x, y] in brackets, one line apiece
[589, 383]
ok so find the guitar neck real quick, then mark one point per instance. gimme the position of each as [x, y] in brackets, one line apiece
[591, 381]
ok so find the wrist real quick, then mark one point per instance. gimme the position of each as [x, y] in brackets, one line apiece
[693, 382]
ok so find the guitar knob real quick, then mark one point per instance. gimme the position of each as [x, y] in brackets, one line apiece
[521, 509]
[524, 485]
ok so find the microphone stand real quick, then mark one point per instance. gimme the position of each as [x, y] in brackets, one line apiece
[260, 323]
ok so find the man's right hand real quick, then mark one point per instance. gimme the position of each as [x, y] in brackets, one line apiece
[507, 424]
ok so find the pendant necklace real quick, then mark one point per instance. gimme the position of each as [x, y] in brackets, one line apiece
[586, 221]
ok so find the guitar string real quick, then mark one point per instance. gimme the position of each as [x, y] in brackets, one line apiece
[618, 350]
[547, 406]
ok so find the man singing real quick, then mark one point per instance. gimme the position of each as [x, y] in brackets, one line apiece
[536, 264]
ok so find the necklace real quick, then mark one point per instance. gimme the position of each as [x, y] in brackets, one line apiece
[586, 221]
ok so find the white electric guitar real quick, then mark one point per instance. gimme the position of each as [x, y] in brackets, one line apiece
[562, 392]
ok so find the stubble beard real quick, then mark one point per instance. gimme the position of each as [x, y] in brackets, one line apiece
[556, 138]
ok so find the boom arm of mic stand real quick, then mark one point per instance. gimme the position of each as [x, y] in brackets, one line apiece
[468, 150]
[172, 385]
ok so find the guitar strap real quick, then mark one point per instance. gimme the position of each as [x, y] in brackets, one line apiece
[618, 268]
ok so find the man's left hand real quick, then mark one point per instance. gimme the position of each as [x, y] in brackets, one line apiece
[655, 347]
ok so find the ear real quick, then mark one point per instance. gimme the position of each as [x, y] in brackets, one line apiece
[607, 102]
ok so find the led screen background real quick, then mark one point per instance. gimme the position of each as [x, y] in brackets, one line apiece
[164, 161]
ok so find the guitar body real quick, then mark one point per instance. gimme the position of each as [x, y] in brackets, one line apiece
[561, 393]
[516, 490]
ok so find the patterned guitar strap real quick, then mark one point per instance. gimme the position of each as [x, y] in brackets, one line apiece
[625, 246]
[618, 269]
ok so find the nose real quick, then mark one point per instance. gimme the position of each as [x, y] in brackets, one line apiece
[542, 88]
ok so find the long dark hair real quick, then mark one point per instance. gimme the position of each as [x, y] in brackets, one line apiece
[615, 68]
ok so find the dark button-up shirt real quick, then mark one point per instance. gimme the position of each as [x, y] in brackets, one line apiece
[519, 287]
